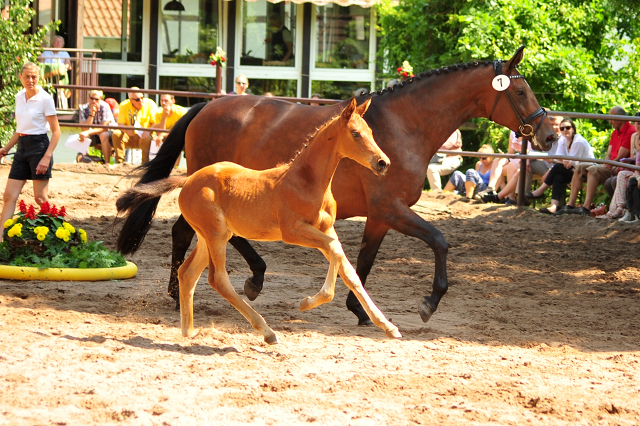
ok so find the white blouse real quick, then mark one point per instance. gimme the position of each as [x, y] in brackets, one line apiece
[31, 115]
[580, 148]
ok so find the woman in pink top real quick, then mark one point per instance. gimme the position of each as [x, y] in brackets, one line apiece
[35, 114]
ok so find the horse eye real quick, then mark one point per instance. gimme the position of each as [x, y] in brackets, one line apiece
[355, 134]
[520, 92]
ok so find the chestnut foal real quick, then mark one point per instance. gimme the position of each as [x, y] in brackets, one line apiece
[292, 203]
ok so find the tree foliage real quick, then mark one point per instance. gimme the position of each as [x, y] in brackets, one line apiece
[18, 46]
[580, 55]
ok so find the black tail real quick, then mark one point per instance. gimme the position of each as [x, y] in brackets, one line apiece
[138, 218]
[134, 197]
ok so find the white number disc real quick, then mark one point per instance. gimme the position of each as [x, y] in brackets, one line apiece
[501, 83]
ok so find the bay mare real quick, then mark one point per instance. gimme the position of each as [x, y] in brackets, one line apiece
[409, 122]
[292, 203]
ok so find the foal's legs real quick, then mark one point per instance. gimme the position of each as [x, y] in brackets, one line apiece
[219, 280]
[188, 274]
[182, 234]
[329, 244]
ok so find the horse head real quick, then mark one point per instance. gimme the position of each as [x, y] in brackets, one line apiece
[358, 143]
[519, 109]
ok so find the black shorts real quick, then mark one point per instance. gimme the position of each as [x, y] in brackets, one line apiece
[30, 151]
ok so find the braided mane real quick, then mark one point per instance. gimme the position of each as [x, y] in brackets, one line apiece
[437, 71]
[312, 138]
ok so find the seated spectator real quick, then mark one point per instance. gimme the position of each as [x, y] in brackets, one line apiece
[570, 144]
[97, 111]
[473, 180]
[597, 174]
[507, 169]
[137, 111]
[445, 164]
[4, 12]
[165, 118]
[619, 200]
[114, 105]
[315, 96]
[56, 65]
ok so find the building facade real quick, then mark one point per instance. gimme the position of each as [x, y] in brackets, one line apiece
[285, 48]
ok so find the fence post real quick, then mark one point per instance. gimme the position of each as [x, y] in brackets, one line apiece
[523, 173]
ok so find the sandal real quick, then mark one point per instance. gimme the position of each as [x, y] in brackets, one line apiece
[612, 214]
[532, 196]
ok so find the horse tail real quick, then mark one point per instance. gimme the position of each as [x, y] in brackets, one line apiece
[133, 197]
[138, 217]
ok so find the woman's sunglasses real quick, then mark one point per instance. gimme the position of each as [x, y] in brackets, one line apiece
[565, 127]
[483, 158]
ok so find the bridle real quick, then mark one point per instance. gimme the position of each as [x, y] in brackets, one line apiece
[525, 129]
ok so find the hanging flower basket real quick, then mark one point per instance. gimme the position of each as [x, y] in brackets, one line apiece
[406, 70]
[45, 246]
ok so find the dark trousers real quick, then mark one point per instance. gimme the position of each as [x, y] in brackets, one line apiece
[558, 178]
[633, 196]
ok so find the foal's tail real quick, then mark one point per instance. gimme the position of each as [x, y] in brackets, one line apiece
[139, 216]
[134, 197]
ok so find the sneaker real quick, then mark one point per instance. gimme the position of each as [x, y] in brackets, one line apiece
[628, 218]
[509, 202]
[583, 211]
[490, 198]
[566, 209]
[488, 190]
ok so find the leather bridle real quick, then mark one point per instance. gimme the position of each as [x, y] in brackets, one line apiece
[525, 129]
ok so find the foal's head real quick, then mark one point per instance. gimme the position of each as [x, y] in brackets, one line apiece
[357, 140]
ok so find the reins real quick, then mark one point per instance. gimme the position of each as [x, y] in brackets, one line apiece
[524, 122]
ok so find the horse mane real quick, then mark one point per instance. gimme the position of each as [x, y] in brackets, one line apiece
[437, 71]
[311, 138]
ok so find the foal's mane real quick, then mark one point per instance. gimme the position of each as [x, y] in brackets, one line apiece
[312, 137]
[437, 71]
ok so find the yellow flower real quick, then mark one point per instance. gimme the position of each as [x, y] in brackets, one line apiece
[83, 235]
[16, 230]
[62, 233]
[41, 236]
[66, 239]
[10, 222]
[68, 227]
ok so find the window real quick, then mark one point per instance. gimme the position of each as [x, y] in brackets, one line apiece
[103, 30]
[268, 33]
[259, 87]
[117, 80]
[339, 89]
[189, 36]
[343, 34]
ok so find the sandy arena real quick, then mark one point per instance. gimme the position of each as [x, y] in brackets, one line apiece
[540, 326]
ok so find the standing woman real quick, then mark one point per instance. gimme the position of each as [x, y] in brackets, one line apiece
[35, 113]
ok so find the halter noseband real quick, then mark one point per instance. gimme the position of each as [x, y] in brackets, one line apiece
[524, 122]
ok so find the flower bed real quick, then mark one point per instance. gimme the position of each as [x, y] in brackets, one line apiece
[46, 240]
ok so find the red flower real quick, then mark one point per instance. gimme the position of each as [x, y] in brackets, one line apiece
[18, 58]
[31, 213]
[54, 211]
[399, 69]
[222, 59]
[412, 75]
[62, 212]
[22, 206]
[45, 208]
[404, 74]
[212, 62]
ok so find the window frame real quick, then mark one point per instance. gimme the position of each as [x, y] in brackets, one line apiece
[269, 72]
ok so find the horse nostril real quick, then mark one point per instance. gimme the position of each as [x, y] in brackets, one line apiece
[382, 164]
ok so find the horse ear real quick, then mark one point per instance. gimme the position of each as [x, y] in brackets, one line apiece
[516, 58]
[363, 108]
[348, 111]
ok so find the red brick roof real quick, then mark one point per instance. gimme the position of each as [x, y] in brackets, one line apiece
[103, 18]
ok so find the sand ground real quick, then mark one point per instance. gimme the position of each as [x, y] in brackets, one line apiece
[540, 326]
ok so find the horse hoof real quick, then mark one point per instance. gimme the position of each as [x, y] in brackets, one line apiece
[304, 305]
[251, 290]
[365, 322]
[272, 339]
[394, 333]
[426, 310]
[189, 333]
